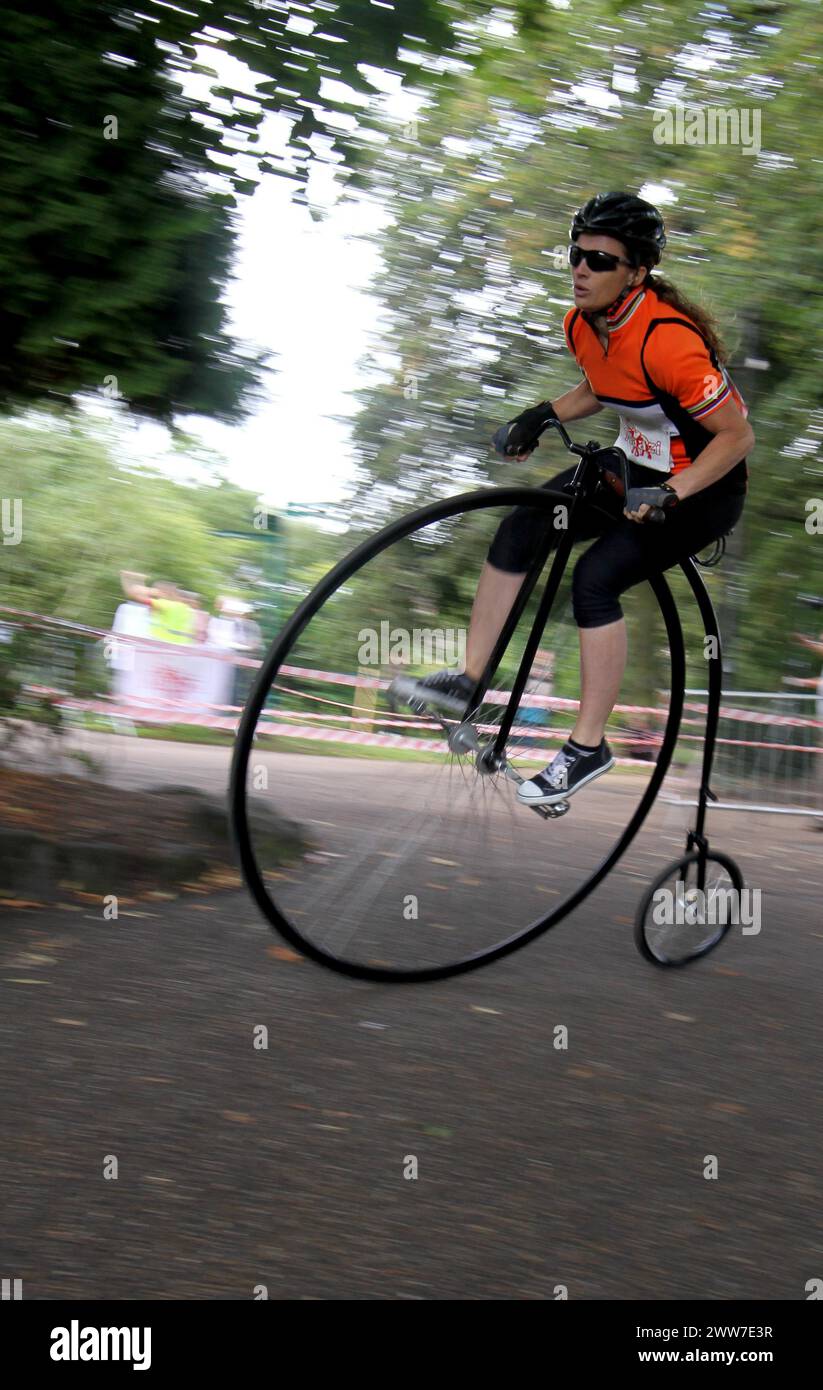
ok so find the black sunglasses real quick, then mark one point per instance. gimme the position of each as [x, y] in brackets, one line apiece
[596, 260]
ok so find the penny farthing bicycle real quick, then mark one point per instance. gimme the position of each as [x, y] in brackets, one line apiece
[418, 862]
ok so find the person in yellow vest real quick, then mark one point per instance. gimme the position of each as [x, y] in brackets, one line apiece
[172, 619]
[200, 616]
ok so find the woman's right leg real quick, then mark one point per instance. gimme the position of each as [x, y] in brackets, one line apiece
[496, 593]
[510, 554]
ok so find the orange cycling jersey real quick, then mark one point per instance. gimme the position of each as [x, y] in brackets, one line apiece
[660, 375]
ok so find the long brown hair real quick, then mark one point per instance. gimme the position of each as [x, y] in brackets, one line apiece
[671, 295]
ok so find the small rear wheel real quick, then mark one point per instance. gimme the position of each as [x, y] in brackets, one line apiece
[688, 908]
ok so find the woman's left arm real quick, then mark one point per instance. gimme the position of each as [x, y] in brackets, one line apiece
[733, 439]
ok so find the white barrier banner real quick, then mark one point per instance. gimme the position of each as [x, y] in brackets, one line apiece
[196, 678]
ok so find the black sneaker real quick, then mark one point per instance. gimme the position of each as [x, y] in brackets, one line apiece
[445, 690]
[568, 771]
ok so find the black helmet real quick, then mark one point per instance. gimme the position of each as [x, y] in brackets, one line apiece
[627, 218]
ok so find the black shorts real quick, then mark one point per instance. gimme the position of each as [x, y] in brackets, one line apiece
[624, 552]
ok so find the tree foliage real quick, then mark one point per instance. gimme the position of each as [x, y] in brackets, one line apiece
[115, 252]
[87, 514]
[475, 281]
[124, 149]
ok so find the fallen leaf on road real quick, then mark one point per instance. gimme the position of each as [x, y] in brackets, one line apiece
[222, 878]
[282, 953]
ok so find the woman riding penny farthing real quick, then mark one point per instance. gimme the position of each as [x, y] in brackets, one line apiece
[435, 847]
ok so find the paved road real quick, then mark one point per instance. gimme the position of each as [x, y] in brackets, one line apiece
[537, 1167]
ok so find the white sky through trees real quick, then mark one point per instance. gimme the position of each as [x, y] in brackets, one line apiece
[301, 292]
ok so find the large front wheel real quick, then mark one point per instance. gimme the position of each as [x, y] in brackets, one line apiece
[417, 860]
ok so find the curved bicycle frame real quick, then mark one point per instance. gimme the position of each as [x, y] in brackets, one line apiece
[369, 549]
[696, 837]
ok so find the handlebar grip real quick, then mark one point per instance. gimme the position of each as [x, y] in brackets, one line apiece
[500, 443]
[658, 500]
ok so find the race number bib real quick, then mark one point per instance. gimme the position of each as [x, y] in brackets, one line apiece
[647, 442]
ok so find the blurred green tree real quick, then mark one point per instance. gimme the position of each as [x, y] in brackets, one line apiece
[86, 514]
[123, 149]
[475, 282]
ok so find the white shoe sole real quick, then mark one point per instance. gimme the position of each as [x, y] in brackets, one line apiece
[551, 798]
[415, 693]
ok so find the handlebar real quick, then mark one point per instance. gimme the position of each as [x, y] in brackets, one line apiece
[657, 499]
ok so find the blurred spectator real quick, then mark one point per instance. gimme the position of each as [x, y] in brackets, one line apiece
[810, 682]
[249, 642]
[130, 620]
[396, 667]
[249, 638]
[201, 617]
[815, 683]
[220, 632]
[170, 619]
[234, 630]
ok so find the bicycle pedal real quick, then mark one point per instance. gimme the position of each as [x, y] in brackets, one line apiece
[552, 812]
